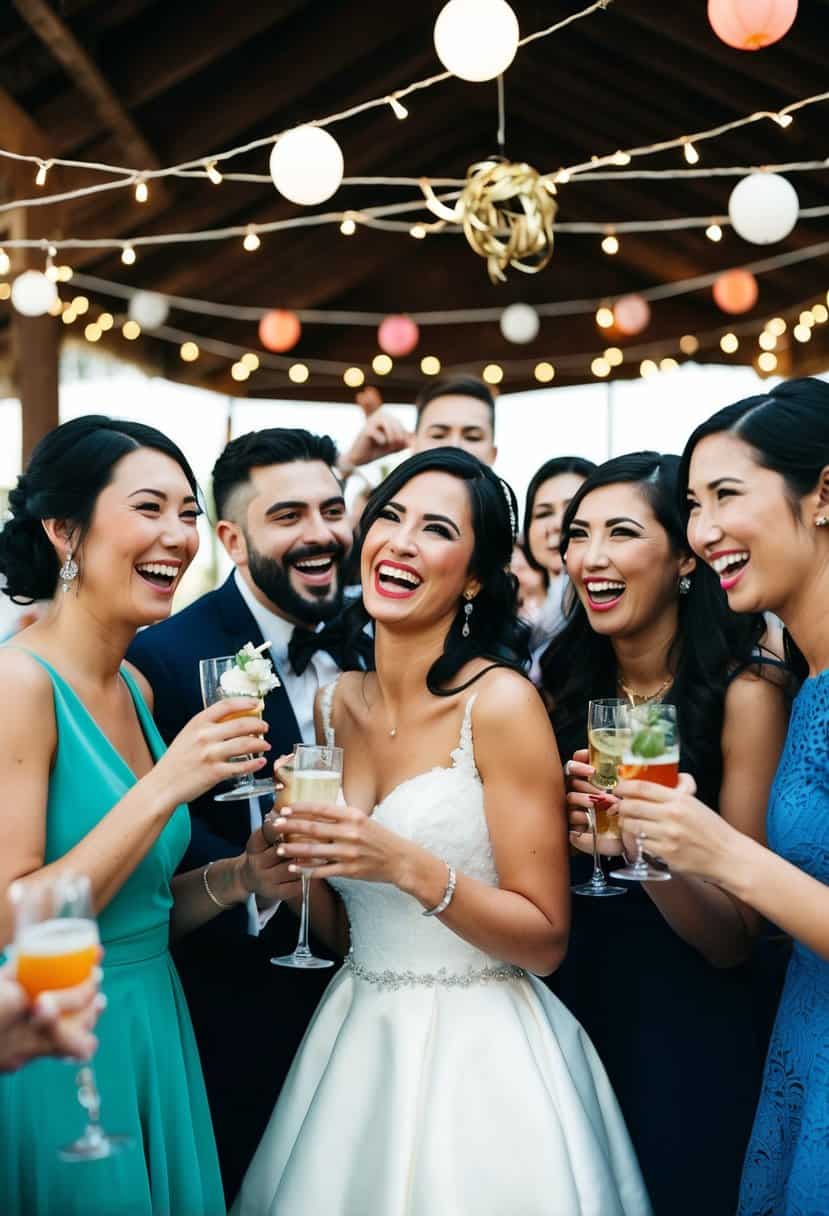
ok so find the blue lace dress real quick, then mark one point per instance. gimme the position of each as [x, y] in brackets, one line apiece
[786, 1170]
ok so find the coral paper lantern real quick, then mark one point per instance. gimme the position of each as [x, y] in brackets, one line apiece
[279, 330]
[631, 314]
[398, 336]
[735, 291]
[749, 25]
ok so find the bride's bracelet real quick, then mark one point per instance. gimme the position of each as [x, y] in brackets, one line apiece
[447, 894]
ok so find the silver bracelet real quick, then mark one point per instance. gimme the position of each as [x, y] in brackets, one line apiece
[210, 894]
[447, 894]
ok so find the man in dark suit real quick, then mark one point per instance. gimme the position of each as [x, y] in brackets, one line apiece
[282, 520]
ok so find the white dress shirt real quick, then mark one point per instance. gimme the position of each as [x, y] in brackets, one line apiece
[301, 690]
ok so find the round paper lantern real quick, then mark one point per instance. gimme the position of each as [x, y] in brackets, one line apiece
[476, 39]
[750, 25]
[398, 336]
[520, 323]
[763, 208]
[631, 314]
[307, 165]
[149, 309]
[279, 330]
[33, 294]
[735, 291]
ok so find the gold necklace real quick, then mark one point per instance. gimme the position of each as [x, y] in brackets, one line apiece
[644, 697]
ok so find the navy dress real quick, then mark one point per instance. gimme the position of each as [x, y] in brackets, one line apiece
[683, 1042]
[787, 1166]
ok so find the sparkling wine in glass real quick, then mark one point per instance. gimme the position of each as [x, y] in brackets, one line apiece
[608, 734]
[210, 675]
[652, 755]
[56, 946]
[317, 777]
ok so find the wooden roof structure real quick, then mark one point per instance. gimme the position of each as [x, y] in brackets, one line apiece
[149, 83]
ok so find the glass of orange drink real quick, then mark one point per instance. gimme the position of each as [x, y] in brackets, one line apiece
[244, 674]
[56, 945]
[652, 755]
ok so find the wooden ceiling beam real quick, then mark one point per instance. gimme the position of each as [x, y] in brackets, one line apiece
[55, 34]
[179, 45]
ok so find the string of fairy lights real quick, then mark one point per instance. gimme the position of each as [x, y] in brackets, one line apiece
[307, 168]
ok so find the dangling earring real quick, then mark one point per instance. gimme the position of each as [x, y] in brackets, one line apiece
[684, 585]
[822, 521]
[468, 608]
[68, 571]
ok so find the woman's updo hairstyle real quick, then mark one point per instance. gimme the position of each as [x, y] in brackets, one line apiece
[495, 632]
[67, 471]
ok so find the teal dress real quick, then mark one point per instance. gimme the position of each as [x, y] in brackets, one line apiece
[147, 1065]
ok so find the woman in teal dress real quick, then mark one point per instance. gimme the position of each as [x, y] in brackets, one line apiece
[757, 479]
[108, 510]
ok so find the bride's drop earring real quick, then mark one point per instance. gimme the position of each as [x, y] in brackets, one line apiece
[468, 608]
[68, 571]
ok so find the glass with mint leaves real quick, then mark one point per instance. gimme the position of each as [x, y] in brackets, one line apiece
[244, 674]
[653, 756]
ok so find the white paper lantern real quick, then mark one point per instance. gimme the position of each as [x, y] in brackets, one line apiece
[476, 39]
[763, 208]
[149, 309]
[33, 294]
[307, 165]
[519, 323]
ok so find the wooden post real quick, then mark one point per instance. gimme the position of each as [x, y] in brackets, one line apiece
[35, 341]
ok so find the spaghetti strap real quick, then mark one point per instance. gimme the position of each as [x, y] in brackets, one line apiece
[327, 705]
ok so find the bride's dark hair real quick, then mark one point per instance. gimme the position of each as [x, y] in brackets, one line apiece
[496, 632]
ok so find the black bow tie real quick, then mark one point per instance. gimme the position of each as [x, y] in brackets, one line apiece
[336, 639]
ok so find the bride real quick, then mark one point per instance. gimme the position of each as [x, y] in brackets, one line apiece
[438, 1074]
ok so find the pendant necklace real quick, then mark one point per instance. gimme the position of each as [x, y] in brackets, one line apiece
[644, 697]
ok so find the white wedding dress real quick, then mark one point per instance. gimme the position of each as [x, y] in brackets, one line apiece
[435, 1080]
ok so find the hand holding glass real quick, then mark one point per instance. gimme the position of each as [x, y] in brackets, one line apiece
[653, 755]
[608, 733]
[56, 945]
[210, 674]
[317, 777]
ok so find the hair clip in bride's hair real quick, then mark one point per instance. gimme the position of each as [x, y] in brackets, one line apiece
[513, 522]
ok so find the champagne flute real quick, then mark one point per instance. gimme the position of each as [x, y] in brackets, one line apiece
[56, 945]
[608, 734]
[245, 785]
[652, 755]
[317, 777]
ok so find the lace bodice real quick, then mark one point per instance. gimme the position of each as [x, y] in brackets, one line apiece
[443, 811]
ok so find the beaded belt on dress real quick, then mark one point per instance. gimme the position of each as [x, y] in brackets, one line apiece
[442, 978]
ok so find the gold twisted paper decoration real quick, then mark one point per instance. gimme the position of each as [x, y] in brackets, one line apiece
[507, 212]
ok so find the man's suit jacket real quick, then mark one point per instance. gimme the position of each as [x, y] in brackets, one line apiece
[249, 1016]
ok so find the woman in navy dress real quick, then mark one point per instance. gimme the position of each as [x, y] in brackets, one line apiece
[660, 975]
[757, 480]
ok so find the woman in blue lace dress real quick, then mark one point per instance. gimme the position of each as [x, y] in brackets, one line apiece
[757, 479]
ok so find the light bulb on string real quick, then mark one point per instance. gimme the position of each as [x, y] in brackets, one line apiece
[131, 330]
[128, 255]
[767, 362]
[382, 365]
[81, 305]
[783, 120]
[5, 262]
[92, 332]
[43, 167]
[493, 373]
[610, 244]
[620, 158]
[142, 191]
[354, 377]
[776, 326]
[714, 232]
[430, 365]
[820, 313]
[807, 317]
[212, 171]
[298, 373]
[250, 360]
[240, 372]
[668, 364]
[55, 308]
[802, 333]
[349, 225]
[729, 343]
[689, 344]
[189, 352]
[767, 341]
[251, 242]
[398, 109]
[417, 231]
[648, 368]
[544, 372]
[106, 321]
[691, 154]
[600, 367]
[614, 356]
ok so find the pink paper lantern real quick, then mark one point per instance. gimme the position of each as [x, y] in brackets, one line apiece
[749, 25]
[631, 314]
[279, 330]
[735, 291]
[398, 336]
